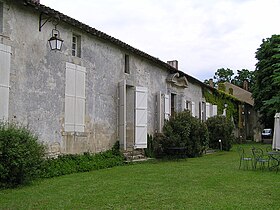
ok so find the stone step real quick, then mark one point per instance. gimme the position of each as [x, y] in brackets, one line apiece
[134, 155]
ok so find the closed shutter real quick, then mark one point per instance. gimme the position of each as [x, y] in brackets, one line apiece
[141, 112]
[75, 98]
[184, 105]
[208, 110]
[159, 112]
[193, 109]
[167, 107]
[215, 110]
[80, 99]
[122, 114]
[5, 59]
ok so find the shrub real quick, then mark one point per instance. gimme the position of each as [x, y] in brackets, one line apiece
[220, 128]
[184, 132]
[74, 163]
[21, 155]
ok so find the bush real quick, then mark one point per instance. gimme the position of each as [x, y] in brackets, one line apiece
[183, 135]
[74, 163]
[220, 128]
[21, 155]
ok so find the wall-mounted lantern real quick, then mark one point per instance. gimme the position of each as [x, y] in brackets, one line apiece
[55, 41]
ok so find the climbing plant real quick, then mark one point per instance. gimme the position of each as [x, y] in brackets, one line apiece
[220, 98]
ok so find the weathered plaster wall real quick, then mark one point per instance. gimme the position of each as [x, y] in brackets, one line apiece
[38, 84]
[194, 93]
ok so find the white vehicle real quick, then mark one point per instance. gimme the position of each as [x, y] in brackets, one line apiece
[267, 133]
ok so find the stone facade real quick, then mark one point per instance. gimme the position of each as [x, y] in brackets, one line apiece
[41, 96]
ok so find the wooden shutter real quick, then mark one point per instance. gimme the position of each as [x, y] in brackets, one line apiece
[80, 84]
[75, 98]
[122, 114]
[193, 109]
[70, 98]
[159, 112]
[208, 110]
[5, 59]
[141, 97]
[167, 107]
[215, 110]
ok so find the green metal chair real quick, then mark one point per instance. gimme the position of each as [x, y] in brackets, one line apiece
[260, 158]
[244, 159]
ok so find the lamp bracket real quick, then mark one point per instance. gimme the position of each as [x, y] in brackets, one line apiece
[44, 18]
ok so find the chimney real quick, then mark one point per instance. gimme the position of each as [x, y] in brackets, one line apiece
[173, 63]
[245, 85]
[211, 83]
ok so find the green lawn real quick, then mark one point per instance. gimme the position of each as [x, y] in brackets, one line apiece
[210, 182]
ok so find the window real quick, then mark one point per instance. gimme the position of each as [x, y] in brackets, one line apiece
[126, 64]
[76, 45]
[1, 17]
[173, 104]
[75, 98]
[188, 105]
[202, 111]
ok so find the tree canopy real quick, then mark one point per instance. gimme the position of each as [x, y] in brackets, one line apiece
[267, 79]
[226, 75]
[223, 75]
[243, 75]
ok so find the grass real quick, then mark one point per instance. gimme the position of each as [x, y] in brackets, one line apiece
[210, 182]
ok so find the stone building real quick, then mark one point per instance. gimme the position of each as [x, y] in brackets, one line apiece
[95, 91]
[249, 127]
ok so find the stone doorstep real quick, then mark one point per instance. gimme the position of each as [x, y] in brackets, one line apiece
[210, 151]
[138, 160]
[142, 160]
[134, 155]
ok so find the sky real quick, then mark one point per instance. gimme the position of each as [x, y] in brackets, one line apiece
[203, 35]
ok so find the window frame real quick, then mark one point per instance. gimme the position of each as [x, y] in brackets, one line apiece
[76, 45]
[173, 103]
[126, 64]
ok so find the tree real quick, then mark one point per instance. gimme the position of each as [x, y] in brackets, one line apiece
[243, 75]
[274, 102]
[223, 75]
[267, 79]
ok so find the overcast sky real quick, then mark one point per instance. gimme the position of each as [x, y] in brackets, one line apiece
[203, 35]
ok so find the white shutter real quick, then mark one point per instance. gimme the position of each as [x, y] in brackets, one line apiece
[75, 98]
[141, 97]
[80, 84]
[122, 114]
[215, 110]
[193, 109]
[208, 110]
[167, 106]
[70, 98]
[159, 112]
[5, 58]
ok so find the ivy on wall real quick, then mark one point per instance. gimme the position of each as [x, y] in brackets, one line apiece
[220, 98]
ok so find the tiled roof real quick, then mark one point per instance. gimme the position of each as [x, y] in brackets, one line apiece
[240, 93]
[53, 13]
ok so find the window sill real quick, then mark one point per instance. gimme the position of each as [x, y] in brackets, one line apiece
[74, 133]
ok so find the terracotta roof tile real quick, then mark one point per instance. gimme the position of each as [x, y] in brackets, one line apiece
[240, 93]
